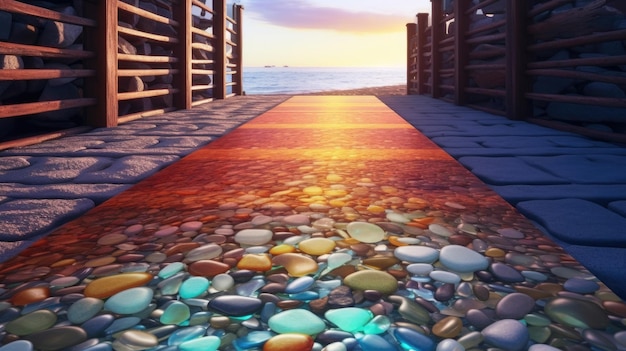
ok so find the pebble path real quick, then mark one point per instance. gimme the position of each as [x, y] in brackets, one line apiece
[327, 223]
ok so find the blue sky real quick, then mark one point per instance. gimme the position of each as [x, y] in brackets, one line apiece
[326, 32]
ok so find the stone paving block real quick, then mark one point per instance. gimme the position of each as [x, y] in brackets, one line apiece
[13, 163]
[458, 152]
[493, 130]
[9, 249]
[127, 170]
[598, 193]
[23, 219]
[583, 169]
[577, 221]
[98, 193]
[50, 170]
[508, 170]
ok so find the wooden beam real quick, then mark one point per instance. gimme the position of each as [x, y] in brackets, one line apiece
[238, 77]
[411, 45]
[219, 31]
[517, 83]
[436, 37]
[422, 25]
[461, 51]
[182, 50]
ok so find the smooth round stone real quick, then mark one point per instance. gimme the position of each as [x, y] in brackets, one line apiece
[567, 273]
[296, 321]
[313, 190]
[205, 343]
[479, 319]
[576, 313]
[299, 285]
[193, 287]
[511, 233]
[365, 232]
[514, 306]
[222, 282]
[254, 237]
[380, 262]
[581, 286]
[542, 347]
[31, 323]
[397, 218]
[445, 277]
[31, 295]
[255, 262]
[410, 310]
[296, 220]
[98, 324]
[416, 254]
[421, 269]
[461, 259]
[449, 327]
[261, 220]
[506, 273]
[449, 345]
[413, 340]
[349, 319]
[135, 340]
[380, 281]
[175, 313]
[291, 342]
[338, 259]
[104, 287]
[372, 342]
[334, 346]
[204, 252]
[171, 269]
[18, 345]
[208, 268]
[297, 265]
[129, 301]
[316, 246]
[378, 325]
[440, 230]
[536, 276]
[507, 334]
[234, 305]
[84, 309]
[57, 338]
[444, 292]
[282, 249]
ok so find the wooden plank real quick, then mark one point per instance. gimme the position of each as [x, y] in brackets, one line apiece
[590, 61]
[103, 40]
[578, 75]
[202, 71]
[422, 24]
[202, 87]
[146, 72]
[147, 59]
[436, 36]
[238, 50]
[42, 51]
[201, 32]
[31, 10]
[461, 50]
[486, 38]
[219, 31]
[138, 115]
[201, 102]
[183, 80]
[145, 94]
[547, 6]
[30, 108]
[487, 66]
[583, 40]
[204, 47]
[147, 14]
[411, 46]
[490, 26]
[39, 138]
[517, 83]
[472, 10]
[31, 74]
[487, 92]
[202, 62]
[146, 35]
[203, 7]
[584, 100]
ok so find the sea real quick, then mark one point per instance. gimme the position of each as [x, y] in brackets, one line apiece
[298, 80]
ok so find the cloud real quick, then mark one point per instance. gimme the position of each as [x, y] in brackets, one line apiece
[301, 14]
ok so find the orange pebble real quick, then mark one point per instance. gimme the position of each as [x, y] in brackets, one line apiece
[393, 240]
[289, 342]
[255, 262]
[110, 285]
[31, 295]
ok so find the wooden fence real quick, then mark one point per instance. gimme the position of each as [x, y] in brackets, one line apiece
[98, 63]
[559, 63]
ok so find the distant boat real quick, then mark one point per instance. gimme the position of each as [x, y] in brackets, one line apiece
[269, 66]
[285, 66]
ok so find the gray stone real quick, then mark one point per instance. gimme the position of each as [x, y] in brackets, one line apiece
[127, 170]
[125, 47]
[59, 34]
[60, 92]
[97, 193]
[601, 89]
[51, 170]
[22, 219]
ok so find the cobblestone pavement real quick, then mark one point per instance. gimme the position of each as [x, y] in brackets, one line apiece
[45, 185]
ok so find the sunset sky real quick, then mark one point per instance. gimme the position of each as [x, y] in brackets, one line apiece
[322, 33]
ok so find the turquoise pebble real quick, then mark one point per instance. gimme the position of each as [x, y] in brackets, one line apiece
[200, 318]
[377, 325]
[84, 309]
[299, 285]
[171, 285]
[296, 321]
[185, 334]
[206, 343]
[193, 287]
[305, 296]
[410, 339]
[376, 343]
[18, 345]
[129, 301]
[349, 319]
[176, 313]
[171, 269]
[253, 340]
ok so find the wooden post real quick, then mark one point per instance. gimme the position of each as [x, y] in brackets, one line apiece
[411, 45]
[436, 36]
[182, 100]
[238, 78]
[422, 25]
[219, 55]
[102, 40]
[517, 83]
[461, 52]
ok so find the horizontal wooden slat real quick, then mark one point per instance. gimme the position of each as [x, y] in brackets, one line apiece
[486, 38]
[590, 61]
[201, 46]
[145, 94]
[488, 92]
[587, 39]
[487, 27]
[201, 102]
[547, 6]
[31, 74]
[145, 72]
[584, 100]
[146, 35]
[43, 106]
[490, 66]
[202, 6]
[147, 14]
[146, 58]
[134, 116]
[26, 9]
[203, 33]
[39, 138]
[42, 51]
[577, 75]
[202, 62]
[230, 19]
[231, 43]
[202, 87]
[202, 71]
[472, 10]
